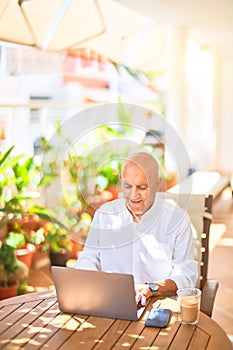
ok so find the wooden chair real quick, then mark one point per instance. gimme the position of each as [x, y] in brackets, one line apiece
[199, 208]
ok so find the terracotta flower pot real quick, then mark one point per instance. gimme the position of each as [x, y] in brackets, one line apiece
[8, 291]
[26, 254]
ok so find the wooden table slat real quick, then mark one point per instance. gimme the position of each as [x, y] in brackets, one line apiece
[200, 339]
[166, 335]
[44, 326]
[21, 310]
[113, 335]
[66, 330]
[51, 331]
[19, 322]
[92, 329]
[20, 299]
[146, 338]
[133, 332]
[7, 310]
[183, 338]
[50, 334]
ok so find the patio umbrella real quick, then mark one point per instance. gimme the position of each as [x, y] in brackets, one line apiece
[141, 49]
[105, 26]
[53, 25]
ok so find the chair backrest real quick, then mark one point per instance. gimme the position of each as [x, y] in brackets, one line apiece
[199, 208]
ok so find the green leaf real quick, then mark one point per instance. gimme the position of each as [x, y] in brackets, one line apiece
[10, 163]
[15, 240]
[7, 258]
[124, 116]
[47, 179]
[5, 155]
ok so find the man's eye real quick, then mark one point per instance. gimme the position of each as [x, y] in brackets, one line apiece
[142, 188]
[127, 186]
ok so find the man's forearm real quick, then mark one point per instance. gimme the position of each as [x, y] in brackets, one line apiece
[167, 287]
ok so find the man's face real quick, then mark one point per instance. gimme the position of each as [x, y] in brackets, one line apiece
[138, 190]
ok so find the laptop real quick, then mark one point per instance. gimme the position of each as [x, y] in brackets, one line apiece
[96, 293]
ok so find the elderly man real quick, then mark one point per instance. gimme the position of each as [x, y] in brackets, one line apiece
[142, 234]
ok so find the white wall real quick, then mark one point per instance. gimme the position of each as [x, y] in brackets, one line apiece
[224, 117]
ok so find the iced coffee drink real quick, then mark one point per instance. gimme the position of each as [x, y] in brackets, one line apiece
[189, 301]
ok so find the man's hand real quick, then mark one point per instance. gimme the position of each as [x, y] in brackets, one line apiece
[142, 292]
[166, 288]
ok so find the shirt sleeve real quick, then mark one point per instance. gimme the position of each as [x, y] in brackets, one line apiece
[185, 268]
[89, 258]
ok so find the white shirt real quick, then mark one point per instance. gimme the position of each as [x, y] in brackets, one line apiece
[158, 247]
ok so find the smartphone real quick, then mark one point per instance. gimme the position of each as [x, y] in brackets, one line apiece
[158, 318]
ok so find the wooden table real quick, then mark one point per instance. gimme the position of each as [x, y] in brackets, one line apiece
[33, 321]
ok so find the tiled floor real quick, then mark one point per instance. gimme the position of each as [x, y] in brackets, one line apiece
[220, 263]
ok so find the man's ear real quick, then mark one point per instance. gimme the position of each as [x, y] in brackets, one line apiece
[160, 184]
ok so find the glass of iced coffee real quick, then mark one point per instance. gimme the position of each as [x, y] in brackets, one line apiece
[189, 301]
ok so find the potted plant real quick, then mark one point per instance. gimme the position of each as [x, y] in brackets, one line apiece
[108, 179]
[8, 265]
[19, 188]
[78, 236]
[24, 250]
[57, 244]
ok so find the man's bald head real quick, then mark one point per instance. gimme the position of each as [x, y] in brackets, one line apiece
[146, 162]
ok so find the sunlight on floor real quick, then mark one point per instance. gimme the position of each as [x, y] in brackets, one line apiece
[230, 336]
[216, 232]
[227, 193]
[227, 242]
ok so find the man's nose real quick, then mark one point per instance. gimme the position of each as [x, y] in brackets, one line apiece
[134, 192]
